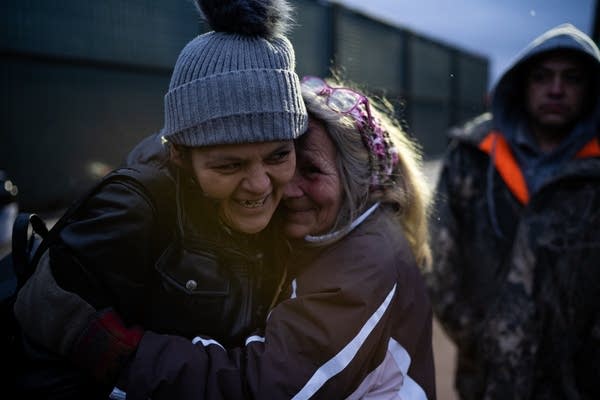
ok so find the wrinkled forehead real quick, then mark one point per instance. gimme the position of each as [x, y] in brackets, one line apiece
[316, 143]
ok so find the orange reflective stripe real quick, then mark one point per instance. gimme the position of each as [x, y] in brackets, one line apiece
[591, 149]
[506, 165]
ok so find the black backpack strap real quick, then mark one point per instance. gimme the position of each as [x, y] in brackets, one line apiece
[24, 244]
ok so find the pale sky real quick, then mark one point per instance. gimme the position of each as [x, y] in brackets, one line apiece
[497, 29]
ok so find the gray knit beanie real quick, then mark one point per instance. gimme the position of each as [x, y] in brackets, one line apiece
[236, 84]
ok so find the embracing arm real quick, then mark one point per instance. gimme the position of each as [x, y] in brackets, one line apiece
[68, 305]
[333, 338]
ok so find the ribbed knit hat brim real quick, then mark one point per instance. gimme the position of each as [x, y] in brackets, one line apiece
[249, 106]
[232, 89]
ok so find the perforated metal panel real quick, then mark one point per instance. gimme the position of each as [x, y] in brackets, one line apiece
[369, 52]
[429, 123]
[138, 32]
[311, 37]
[471, 93]
[64, 123]
[431, 73]
[82, 82]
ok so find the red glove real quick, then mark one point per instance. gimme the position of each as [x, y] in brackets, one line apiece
[106, 345]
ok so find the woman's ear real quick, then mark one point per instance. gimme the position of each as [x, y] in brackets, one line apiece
[179, 156]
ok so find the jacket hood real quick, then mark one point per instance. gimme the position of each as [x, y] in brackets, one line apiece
[507, 116]
[507, 91]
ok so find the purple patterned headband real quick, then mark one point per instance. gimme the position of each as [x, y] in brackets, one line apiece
[383, 156]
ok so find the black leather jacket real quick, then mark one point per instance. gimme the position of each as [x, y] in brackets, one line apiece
[154, 250]
[159, 255]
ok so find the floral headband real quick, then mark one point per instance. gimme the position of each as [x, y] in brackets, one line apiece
[383, 156]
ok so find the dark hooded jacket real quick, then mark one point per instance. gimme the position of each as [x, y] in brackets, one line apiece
[516, 241]
[140, 258]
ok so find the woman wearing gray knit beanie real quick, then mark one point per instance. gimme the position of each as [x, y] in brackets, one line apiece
[182, 240]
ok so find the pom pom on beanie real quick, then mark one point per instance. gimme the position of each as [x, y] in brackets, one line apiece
[237, 83]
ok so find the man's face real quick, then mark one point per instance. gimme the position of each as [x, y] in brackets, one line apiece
[556, 92]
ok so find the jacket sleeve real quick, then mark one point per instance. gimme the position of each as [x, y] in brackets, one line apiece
[79, 321]
[107, 249]
[323, 342]
[445, 281]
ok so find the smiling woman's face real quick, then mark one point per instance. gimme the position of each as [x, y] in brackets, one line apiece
[313, 198]
[246, 179]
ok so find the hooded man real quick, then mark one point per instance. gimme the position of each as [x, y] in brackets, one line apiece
[516, 235]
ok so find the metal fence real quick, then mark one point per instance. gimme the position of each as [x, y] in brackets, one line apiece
[434, 85]
[82, 82]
